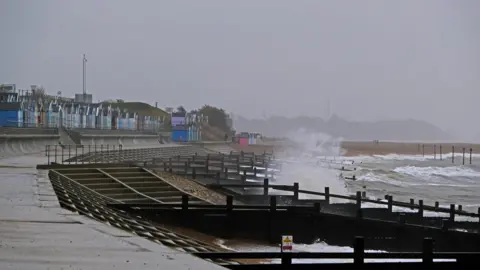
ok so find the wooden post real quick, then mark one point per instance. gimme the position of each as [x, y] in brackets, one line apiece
[390, 203]
[452, 213]
[317, 207]
[265, 187]
[359, 204]
[437, 205]
[229, 203]
[217, 176]
[471, 150]
[423, 150]
[327, 195]
[184, 202]
[420, 208]
[412, 203]
[463, 155]
[440, 152]
[427, 251]
[273, 203]
[266, 169]
[434, 151]
[295, 190]
[453, 154]
[194, 173]
[358, 250]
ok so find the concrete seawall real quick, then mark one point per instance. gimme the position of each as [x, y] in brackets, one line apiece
[12, 145]
[125, 140]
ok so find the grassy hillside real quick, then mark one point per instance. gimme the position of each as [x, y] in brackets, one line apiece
[139, 107]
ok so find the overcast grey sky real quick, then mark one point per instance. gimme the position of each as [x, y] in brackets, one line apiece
[374, 59]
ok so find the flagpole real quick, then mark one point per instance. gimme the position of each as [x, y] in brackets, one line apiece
[84, 75]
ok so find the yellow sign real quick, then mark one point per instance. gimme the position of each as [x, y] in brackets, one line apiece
[287, 243]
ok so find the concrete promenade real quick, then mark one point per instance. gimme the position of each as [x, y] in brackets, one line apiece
[35, 233]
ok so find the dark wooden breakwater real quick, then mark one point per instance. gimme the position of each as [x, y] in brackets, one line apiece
[428, 257]
[135, 198]
[266, 216]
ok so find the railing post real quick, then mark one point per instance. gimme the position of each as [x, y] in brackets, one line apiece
[440, 152]
[76, 154]
[55, 148]
[69, 153]
[437, 205]
[453, 154]
[358, 250]
[412, 203]
[427, 251]
[48, 154]
[62, 155]
[327, 195]
[463, 156]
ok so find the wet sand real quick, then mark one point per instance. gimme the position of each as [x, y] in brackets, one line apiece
[359, 148]
[353, 148]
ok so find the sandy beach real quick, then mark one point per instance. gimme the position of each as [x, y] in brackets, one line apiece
[363, 148]
[353, 148]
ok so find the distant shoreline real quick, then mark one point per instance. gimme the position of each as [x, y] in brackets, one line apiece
[358, 148]
[369, 148]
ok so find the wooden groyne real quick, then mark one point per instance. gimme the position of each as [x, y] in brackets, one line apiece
[234, 196]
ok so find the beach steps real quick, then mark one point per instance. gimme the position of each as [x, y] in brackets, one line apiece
[127, 185]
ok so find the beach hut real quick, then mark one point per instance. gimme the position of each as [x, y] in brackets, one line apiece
[180, 134]
[132, 121]
[53, 115]
[11, 114]
[107, 118]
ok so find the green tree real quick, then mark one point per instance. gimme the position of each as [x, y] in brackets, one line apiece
[216, 117]
[181, 109]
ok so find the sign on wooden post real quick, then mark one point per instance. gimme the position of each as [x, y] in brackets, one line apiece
[287, 243]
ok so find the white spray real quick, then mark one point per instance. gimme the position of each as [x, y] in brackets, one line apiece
[301, 166]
